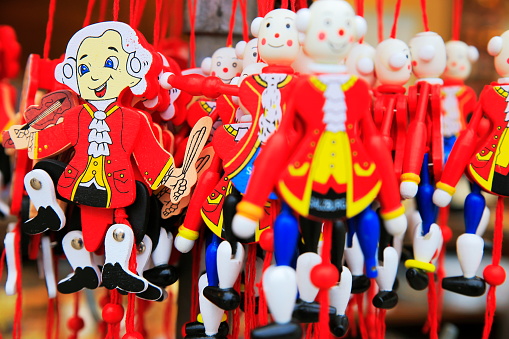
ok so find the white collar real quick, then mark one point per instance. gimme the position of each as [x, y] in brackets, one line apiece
[433, 81]
[326, 68]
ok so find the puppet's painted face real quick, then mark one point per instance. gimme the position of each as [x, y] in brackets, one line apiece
[101, 67]
[393, 64]
[225, 64]
[278, 38]
[458, 64]
[331, 31]
[428, 55]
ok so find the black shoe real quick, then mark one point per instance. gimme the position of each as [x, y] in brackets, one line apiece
[360, 284]
[305, 312]
[417, 279]
[45, 219]
[225, 298]
[289, 330]
[338, 325]
[83, 277]
[162, 275]
[471, 287]
[153, 292]
[197, 330]
[385, 299]
[114, 276]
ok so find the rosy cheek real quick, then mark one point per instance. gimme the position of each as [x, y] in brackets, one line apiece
[289, 43]
[462, 68]
[213, 73]
[238, 74]
[408, 66]
[507, 61]
[350, 39]
[414, 63]
[321, 36]
[264, 41]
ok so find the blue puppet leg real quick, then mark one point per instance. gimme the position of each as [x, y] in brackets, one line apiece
[367, 227]
[474, 208]
[286, 237]
[424, 198]
[211, 260]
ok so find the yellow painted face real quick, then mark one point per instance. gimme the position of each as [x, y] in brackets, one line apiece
[102, 72]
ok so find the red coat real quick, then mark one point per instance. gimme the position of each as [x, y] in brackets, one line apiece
[305, 160]
[465, 97]
[132, 138]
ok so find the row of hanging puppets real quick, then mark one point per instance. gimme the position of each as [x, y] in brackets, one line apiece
[286, 158]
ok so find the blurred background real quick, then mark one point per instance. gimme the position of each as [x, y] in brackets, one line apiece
[463, 317]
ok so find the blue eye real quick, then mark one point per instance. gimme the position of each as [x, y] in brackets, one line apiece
[111, 62]
[83, 69]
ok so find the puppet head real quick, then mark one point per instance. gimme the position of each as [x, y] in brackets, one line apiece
[428, 55]
[10, 51]
[460, 58]
[329, 27]
[498, 47]
[393, 63]
[278, 38]
[361, 62]
[247, 51]
[223, 64]
[103, 59]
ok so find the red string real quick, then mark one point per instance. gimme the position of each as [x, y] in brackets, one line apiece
[49, 28]
[88, 16]
[168, 316]
[18, 313]
[102, 10]
[424, 16]
[57, 303]
[284, 4]
[114, 328]
[360, 7]
[236, 315]
[245, 25]
[176, 23]
[323, 295]
[456, 19]
[132, 6]
[263, 313]
[165, 20]
[432, 307]
[496, 254]
[350, 313]
[249, 292]
[138, 12]
[380, 19]
[131, 298]
[50, 318]
[396, 17]
[380, 318]
[191, 6]
[195, 271]
[359, 300]
[231, 27]
[371, 311]
[157, 22]
[116, 8]
[293, 5]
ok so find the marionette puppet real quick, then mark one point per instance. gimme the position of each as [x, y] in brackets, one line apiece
[481, 155]
[322, 169]
[247, 52]
[113, 146]
[361, 62]
[422, 164]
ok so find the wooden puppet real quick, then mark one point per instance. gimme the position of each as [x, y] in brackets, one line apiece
[321, 167]
[423, 147]
[390, 112]
[361, 62]
[247, 52]
[482, 156]
[113, 146]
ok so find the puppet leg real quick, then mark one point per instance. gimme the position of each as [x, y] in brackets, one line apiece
[144, 250]
[86, 273]
[339, 296]
[368, 233]
[162, 274]
[386, 298]
[355, 260]
[41, 190]
[118, 246]
[470, 249]
[280, 281]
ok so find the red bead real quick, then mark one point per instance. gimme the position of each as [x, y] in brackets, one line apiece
[75, 323]
[113, 313]
[446, 233]
[133, 335]
[324, 275]
[494, 275]
[267, 240]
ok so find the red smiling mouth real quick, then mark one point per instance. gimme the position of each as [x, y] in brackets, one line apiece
[101, 90]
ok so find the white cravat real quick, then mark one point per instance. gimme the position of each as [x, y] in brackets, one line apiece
[99, 137]
[334, 108]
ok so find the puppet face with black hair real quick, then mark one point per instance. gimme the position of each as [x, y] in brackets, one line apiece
[103, 59]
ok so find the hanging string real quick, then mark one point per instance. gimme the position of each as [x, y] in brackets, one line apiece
[165, 20]
[176, 23]
[265, 6]
[494, 274]
[49, 28]
[138, 12]
[132, 6]
[359, 4]
[245, 25]
[249, 291]
[284, 4]
[231, 27]
[50, 318]
[456, 19]
[18, 313]
[432, 307]
[88, 15]
[102, 10]
[191, 7]
[293, 5]
[57, 308]
[380, 19]
[424, 16]
[195, 273]
[116, 8]
[168, 316]
[396, 17]
[157, 22]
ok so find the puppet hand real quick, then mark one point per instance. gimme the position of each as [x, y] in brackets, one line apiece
[164, 80]
[396, 226]
[183, 245]
[408, 189]
[441, 198]
[243, 227]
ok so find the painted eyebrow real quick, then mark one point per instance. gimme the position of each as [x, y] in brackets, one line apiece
[83, 56]
[113, 49]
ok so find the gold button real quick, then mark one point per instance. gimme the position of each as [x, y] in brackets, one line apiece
[365, 164]
[352, 140]
[109, 161]
[496, 137]
[296, 164]
[499, 127]
[350, 126]
[121, 175]
[109, 174]
[316, 131]
[310, 156]
[354, 153]
[223, 188]
[45, 146]
[149, 179]
[95, 163]
[69, 171]
[94, 172]
[146, 173]
[493, 145]
[313, 144]
[40, 149]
